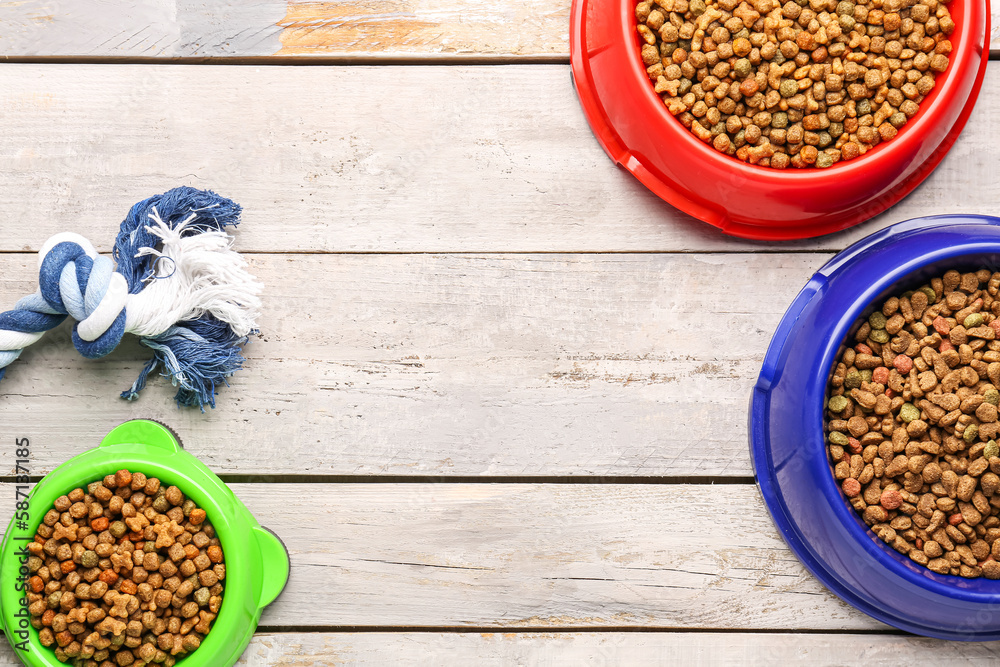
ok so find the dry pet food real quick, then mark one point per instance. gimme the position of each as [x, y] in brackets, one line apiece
[806, 83]
[912, 423]
[125, 573]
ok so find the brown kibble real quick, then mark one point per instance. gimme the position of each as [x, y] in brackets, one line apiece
[174, 496]
[105, 585]
[923, 469]
[793, 59]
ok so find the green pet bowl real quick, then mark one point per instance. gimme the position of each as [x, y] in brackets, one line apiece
[256, 561]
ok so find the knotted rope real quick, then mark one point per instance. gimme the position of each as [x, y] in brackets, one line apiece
[178, 285]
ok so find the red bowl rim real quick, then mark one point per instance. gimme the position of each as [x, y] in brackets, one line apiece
[934, 110]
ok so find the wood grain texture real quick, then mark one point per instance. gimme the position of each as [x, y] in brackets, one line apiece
[372, 159]
[569, 649]
[523, 365]
[342, 30]
[426, 29]
[517, 556]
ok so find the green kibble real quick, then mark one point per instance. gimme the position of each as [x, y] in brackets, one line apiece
[89, 559]
[742, 68]
[929, 291]
[824, 140]
[160, 504]
[847, 22]
[908, 412]
[54, 599]
[853, 379]
[864, 107]
[898, 119]
[118, 528]
[973, 320]
[202, 596]
[836, 129]
[149, 546]
[992, 450]
[188, 506]
[685, 87]
[880, 336]
[824, 160]
[838, 438]
[992, 396]
[845, 8]
[838, 403]
[971, 431]
[877, 320]
[697, 7]
[34, 564]
[779, 120]
[789, 88]
[866, 375]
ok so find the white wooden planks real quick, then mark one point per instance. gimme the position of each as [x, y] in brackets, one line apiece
[372, 159]
[514, 365]
[344, 31]
[568, 649]
[545, 556]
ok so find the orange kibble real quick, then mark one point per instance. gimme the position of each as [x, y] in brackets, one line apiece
[190, 551]
[891, 500]
[36, 583]
[214, 554]
[99, 524]
[109, 577]
[67, 566]
[48, 617]
[128, 587]
[198, 515]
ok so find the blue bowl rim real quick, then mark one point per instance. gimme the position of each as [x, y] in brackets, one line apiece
[884, 284]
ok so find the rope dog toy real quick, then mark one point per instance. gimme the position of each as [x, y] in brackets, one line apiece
[178, 286]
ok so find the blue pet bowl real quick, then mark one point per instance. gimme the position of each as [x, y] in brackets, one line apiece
[786, 430]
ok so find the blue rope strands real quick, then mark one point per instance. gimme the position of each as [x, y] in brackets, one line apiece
[178, 285]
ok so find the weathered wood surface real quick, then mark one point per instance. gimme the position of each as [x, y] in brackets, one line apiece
[518, 365]
[520, 556]
[344, 30]
[372, 159]
[567, 649]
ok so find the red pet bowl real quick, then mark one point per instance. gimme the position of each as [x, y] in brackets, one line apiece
[636, 130]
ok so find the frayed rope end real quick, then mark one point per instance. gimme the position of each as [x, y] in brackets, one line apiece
[197, 356]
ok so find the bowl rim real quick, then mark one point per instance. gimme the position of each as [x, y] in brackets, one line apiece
[799, 220]
[882, 555]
